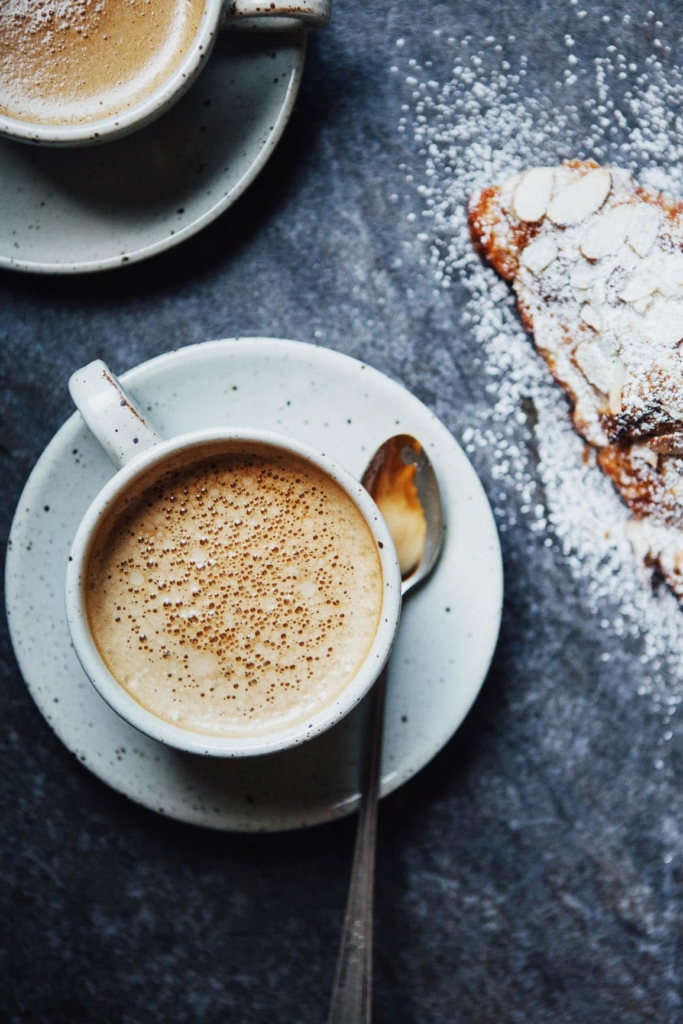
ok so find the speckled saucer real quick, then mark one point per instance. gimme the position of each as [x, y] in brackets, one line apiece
[448, 628]
[95, 207]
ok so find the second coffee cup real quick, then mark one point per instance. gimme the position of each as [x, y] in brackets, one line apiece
[230, 591]
[76, 73]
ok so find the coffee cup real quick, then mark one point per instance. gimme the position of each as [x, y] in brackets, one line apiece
[79, 73]
[230, 591]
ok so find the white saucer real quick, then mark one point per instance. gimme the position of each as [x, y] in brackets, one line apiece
[448, 630]
[91, 208]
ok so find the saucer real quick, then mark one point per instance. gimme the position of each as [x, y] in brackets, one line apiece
[448, 627]
[94, 207]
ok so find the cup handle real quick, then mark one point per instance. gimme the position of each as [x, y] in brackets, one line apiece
[280, 16]
[114, 419]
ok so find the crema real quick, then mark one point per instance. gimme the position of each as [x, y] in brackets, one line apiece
[76, 61]
[240, 592]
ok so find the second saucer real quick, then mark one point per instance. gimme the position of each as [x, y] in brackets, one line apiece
[68, 211]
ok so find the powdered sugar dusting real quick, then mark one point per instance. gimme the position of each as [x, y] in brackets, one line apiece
[58, 14]
[466, 125]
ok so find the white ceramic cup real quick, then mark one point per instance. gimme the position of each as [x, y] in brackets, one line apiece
[271, 15]
[136, 449]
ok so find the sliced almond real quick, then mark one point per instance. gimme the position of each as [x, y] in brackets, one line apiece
[642, 451]
[598, 293]
[532, 194]
[591, 316]
[639, 533]
[667, 444]
[671, 289]
[539, 254]
[617, 386]
[664, 322]
[642, 305]
[584, 275]
[671, 275]
[644, 228]
[607, 233]
[594, 365]
[577, 201]
[644, 282]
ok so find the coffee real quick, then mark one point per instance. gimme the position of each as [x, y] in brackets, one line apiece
[76, 61]
[238, 593]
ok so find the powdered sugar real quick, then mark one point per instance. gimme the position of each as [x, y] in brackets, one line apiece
[467, 125]
[57, 14]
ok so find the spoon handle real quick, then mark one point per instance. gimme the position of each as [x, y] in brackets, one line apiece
[351, 1001]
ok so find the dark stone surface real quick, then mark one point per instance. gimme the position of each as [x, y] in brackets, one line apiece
[521, 876]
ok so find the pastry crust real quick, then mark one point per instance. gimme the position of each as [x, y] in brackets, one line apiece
[596, 262]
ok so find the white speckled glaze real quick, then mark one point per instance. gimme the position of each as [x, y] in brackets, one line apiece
[80, 210]
[448, 629]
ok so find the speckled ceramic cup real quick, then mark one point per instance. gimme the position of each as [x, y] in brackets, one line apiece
[271, 15]
[139, 453]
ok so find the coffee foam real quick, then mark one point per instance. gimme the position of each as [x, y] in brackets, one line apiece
[238, 594]
[76, 61]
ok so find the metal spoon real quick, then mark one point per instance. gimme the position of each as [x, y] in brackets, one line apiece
[402, 481]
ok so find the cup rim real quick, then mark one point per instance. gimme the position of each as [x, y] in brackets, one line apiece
[214, 745]
[132, 118]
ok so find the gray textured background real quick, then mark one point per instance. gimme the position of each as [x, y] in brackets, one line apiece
[521, 875]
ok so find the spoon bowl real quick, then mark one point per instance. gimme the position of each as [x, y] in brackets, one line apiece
[400, 474]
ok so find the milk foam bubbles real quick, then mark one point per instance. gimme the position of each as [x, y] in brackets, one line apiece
[237, 594]
[71, 61]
